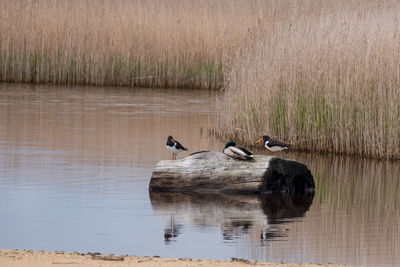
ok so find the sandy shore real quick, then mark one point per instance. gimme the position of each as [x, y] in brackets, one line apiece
[17, 258]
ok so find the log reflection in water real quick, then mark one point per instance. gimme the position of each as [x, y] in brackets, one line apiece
[236, 215]
[281, 207]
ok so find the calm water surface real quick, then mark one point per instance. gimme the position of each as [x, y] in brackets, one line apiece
[75, 164]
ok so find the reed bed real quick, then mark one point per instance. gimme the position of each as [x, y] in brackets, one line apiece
[324, 79]
[150, 43]
[323, 75]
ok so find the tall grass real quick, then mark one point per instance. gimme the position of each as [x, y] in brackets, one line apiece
[323, 75]
[326, 79]
[150, 43]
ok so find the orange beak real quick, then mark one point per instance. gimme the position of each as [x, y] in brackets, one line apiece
[259, 140]
[173, 140]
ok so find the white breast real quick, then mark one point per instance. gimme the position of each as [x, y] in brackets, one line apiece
[172, 149]
[274, 148]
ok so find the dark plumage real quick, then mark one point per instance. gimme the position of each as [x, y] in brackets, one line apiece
[174, 146]
[273, 145]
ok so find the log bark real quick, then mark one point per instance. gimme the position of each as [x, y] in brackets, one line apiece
[210, 172]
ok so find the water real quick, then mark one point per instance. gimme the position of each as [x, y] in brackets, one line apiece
[75, 165]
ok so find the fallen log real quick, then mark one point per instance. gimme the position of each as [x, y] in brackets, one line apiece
[210, 172]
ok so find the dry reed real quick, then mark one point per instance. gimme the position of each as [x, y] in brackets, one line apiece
[326, 79]
[151, 43]
[324, 75]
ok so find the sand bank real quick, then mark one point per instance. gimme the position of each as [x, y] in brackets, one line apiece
[17, 258]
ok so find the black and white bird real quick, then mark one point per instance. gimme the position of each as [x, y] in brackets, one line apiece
[273, 145]
[174, 146]
[237, 152]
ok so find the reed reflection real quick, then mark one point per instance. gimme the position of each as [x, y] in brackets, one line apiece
[355, 212]
[100, 126]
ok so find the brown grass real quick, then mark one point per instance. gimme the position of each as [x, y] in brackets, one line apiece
[326, 79]
[151, 43]
[324, 75]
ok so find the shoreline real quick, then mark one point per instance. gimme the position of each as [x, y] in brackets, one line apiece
[32, 258]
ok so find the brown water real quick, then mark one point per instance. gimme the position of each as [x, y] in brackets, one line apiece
[75, 164]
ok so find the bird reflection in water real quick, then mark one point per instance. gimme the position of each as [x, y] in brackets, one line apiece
[234, 229]
[171, 231]
[273, 234]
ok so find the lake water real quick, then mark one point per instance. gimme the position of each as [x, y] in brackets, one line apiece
[75, 164]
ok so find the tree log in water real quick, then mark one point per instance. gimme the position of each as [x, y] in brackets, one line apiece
[216, 172]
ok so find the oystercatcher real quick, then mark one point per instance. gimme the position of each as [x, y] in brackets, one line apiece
[237, 152]
[273, 145]
[174, 146]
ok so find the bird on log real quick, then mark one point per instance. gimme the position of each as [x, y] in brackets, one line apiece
[174, 146]
[235, 152]
[273, 145]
